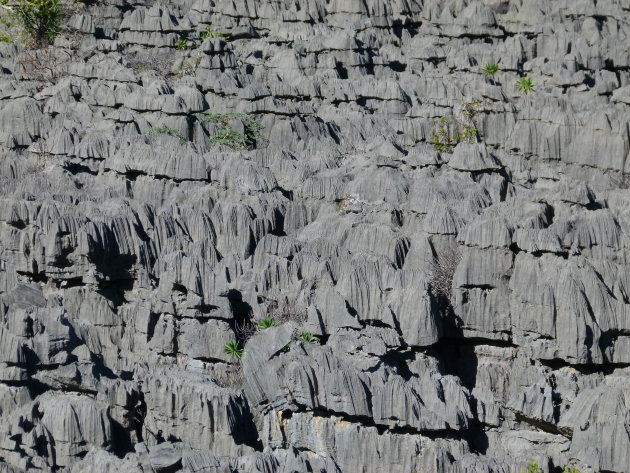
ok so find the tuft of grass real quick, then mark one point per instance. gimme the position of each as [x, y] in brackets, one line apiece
[182, 45]
[229, 137]
[308, 337]
[489, 70]
[525, 85]
[208, 33]
[266, 323]
[169, 131]
[234, 350]
[304, 337]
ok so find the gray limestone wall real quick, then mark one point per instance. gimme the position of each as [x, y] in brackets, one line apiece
[455, 248]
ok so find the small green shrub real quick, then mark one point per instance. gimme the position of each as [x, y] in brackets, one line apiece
[489, 70]
[40, 20]
[211, 34]
[533, 468]
[7, 17]
[468, 135]
[229, 137]
[169, 131]
[234, 350]
[266, 323]
[525, 85]
[182, 45]
[307, 337]
[442, 140]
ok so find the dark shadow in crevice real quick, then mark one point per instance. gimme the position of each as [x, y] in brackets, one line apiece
[242, 312]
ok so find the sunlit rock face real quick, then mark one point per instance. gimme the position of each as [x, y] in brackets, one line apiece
[328, 236]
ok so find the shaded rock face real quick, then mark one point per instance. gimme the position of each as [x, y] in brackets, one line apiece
[444, 254]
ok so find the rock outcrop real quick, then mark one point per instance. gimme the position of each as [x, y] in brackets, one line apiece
[444, 256]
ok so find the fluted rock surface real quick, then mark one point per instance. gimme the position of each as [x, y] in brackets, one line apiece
[443, 254]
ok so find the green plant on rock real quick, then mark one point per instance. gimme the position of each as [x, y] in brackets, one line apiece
[468, 135]
[208, 33]
[469, 132]
[442, 139]
[234, 350]
[5, 23]
[182, 45]
[525, 85]
[40, 20]
[266, 323]
[308, 337]
[533, 468]
[164, 130]
[489, 70]
[228, 136]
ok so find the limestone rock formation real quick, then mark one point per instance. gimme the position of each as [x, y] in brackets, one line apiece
[424, 265]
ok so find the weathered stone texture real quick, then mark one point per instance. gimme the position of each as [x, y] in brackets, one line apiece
[470, 296]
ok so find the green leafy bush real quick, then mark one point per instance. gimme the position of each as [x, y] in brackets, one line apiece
[231, 138]
[169, 131]
[234, 350]
[40, 20]
[525, 85]
[266, 323]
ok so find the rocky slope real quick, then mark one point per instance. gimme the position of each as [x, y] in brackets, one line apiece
[472, 304]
